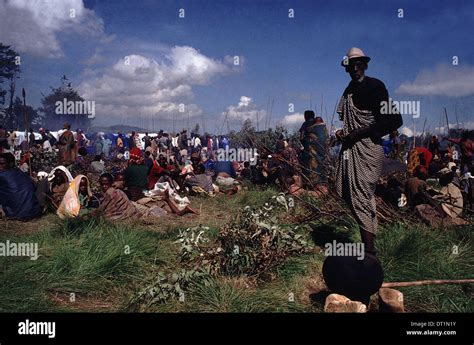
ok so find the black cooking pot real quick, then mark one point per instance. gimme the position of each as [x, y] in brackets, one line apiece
[353, 278]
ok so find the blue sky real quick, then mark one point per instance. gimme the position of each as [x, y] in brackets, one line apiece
[288, 60]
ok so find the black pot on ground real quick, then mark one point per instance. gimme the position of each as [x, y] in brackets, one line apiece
[353, 278]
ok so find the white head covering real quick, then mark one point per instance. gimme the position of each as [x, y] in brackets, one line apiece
[63, 169]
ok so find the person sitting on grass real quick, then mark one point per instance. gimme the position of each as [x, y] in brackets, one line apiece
[17, 191]
[97, 165]
[136, 175]
[115, 204]
[78, 199]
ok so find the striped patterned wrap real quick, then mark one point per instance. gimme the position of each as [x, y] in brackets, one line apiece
[359, 166]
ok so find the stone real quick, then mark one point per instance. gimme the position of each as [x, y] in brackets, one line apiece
[391, 301]
[336, 303]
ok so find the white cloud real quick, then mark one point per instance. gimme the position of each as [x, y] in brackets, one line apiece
[409, 131]
[462, 125]
[292, 121]
[34, 26]
[141, 86]
[246, 109]
[452, 81]
[94, 59]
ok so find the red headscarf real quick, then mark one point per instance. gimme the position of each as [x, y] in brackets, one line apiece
[136, 156]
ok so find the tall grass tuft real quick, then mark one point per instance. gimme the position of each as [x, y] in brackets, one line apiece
[86, 258]
[421, 253]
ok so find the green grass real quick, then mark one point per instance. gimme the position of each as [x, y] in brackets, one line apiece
[421, 253]
[84, 258]
[88, 258]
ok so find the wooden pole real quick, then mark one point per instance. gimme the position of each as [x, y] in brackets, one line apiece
[428, 282]
[26, 128]
[423, 134]
[322, 99]
[456, 114]
[447, 121]
[271, 110]
[25, 113]
[332, 118]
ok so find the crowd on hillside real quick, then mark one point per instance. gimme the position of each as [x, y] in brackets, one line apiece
[123, 176]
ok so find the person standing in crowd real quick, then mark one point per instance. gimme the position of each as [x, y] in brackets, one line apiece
[131, 141]
[395, 143]
[120, 143]
[51, 138]
[67, 149]
[138, 142]
[147, 140]
[313, 137]
[106, 145]
[31, 139]
[360, 160]
[467, 148]
[433, 146]
[81, 139]
[98, 145]
[197, 142]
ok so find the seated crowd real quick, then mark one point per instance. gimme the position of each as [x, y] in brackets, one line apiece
[125, 177]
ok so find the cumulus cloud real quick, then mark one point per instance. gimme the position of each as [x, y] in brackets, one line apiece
[462, 125]
[292, 121]
[405, 130]
[141, 86]
[246, 109]
[451, 81]
[34, 26]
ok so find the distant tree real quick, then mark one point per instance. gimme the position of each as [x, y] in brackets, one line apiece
[17, 121]
[51, 118]
[243, 138]
[9, 71]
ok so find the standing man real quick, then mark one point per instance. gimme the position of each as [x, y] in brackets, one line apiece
[67, 149]
[467, 149]
[360, 160]
[313, 137]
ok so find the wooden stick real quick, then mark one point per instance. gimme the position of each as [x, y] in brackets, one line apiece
[428, 282]
[447, 121]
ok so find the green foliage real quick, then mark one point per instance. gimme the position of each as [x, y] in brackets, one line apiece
[165, 287]
[262, 140]
[254, 243]
[191, 239]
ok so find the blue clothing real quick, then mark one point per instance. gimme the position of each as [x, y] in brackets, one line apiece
[17, 195]
[226, 167]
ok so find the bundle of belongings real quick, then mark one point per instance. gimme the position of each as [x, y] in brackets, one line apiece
[77, 198]
[161, 200]
[435, 208]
